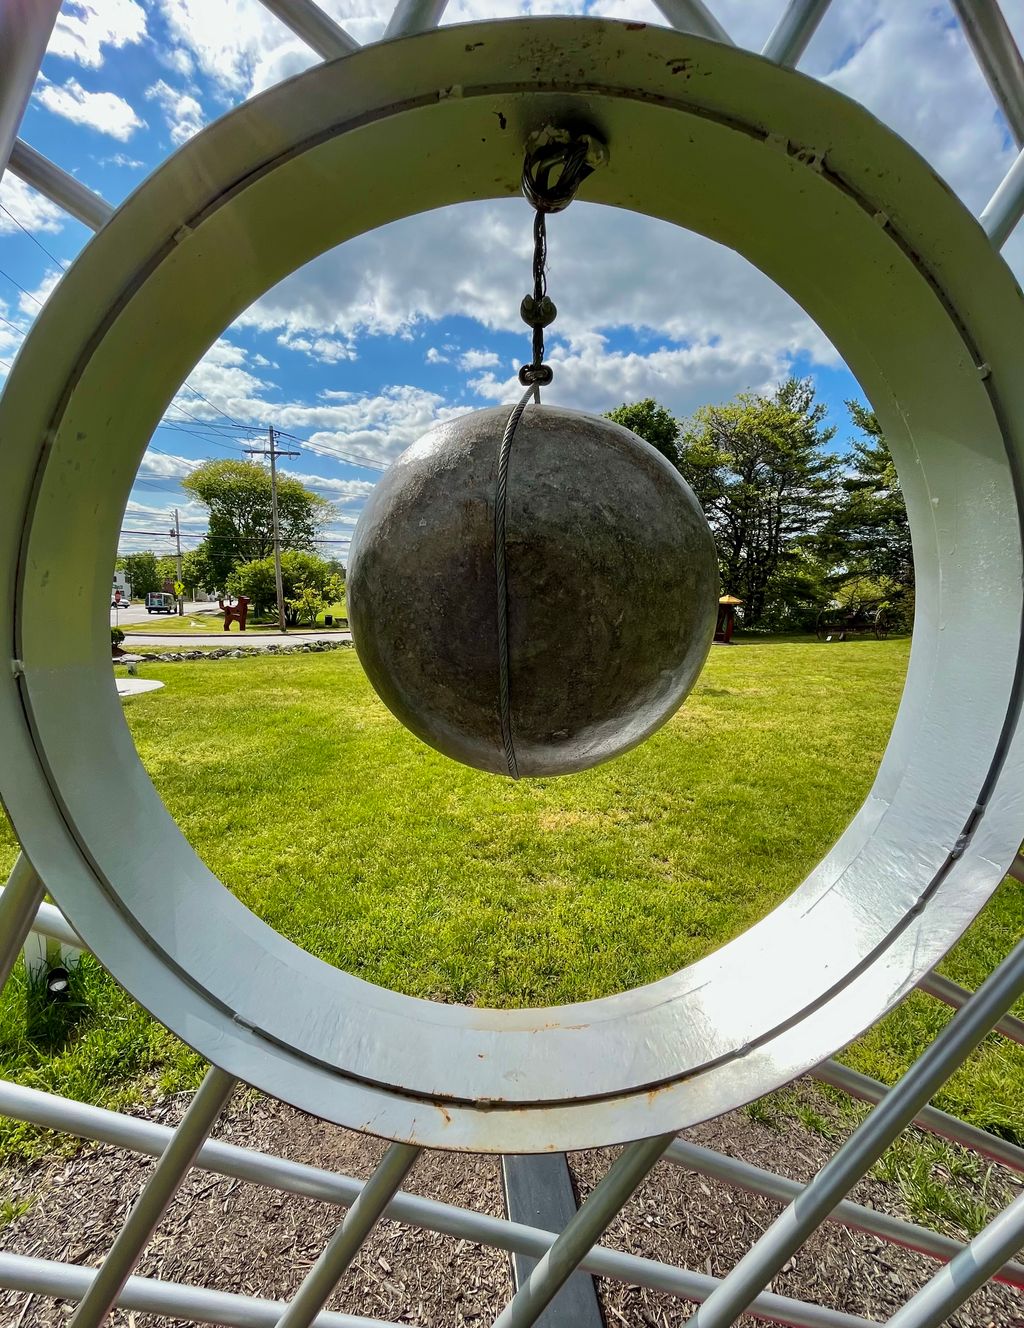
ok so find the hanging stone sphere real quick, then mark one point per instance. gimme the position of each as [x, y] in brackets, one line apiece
[612, 590]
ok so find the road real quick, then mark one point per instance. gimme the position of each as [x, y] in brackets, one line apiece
[136, 613]
[171, 640]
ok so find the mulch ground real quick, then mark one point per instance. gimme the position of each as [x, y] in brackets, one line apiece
[245, 1238]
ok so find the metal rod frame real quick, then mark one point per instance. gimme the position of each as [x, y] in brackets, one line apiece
[582, 1232]
[230, 1160]
[59, 187]
[317, 30]
[50, 923]
[693, 16]
[24, 31]
[174, 1164]
[971, 1268]
[965, 1267]
[868, 1142]
[413, 16]
[346, 1242]
[998, 55]
[794, 30]
[1005, 208]
[19, 905]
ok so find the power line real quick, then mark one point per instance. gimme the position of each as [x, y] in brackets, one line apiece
[14, 327]
[232, 539]
[211, 404]
[177, 406]
[20, 287]
[177, 427]
[60, 262]
[359, 462]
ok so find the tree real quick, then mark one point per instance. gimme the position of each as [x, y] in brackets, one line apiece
[142, 572]
[869, 532]
[653, 423]
[334, 591]
[256, 580]
[167, 569]
[760, 471]
[237, 496]
[307, 604]
[196, 571]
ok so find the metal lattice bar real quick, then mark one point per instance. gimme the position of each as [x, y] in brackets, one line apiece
[971, 1268]
[56, 1113]
[24, 31]
[346, 1242]
[693, 16]
[147, 1295]
[895, 1231]
[582, 1232]
[867, 1143]
[794, 30]
[999, 57]
[51, 923]
[160, 1189]
[59, 187]
[308, 21]
[949, 993]
[928, 1118]
[414, 16]
[19, 908]
[1006, 206]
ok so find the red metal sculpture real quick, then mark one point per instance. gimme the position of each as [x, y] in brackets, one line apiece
[236, 612]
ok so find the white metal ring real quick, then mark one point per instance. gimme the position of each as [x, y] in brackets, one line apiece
[826, 201]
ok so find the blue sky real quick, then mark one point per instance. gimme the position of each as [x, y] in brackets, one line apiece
[359, 353]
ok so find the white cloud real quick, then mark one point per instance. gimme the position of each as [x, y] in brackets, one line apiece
[369, 428]
[182, 112]
[30, 302]
[910, 64]
[341, 425]
[13, 326]
[105, 112]
[162, 466]
[473, 360]
[180, 60]
[238, 43]
[35, 212]
[222, 377]
[123, 160]
[323, 350]
[608, 270]
[85, 27]
[589, 376]
[341, 492]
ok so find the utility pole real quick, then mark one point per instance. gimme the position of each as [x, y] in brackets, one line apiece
[176, 532]
[274, 452]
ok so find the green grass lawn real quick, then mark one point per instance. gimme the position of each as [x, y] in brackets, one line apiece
[341, 830]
